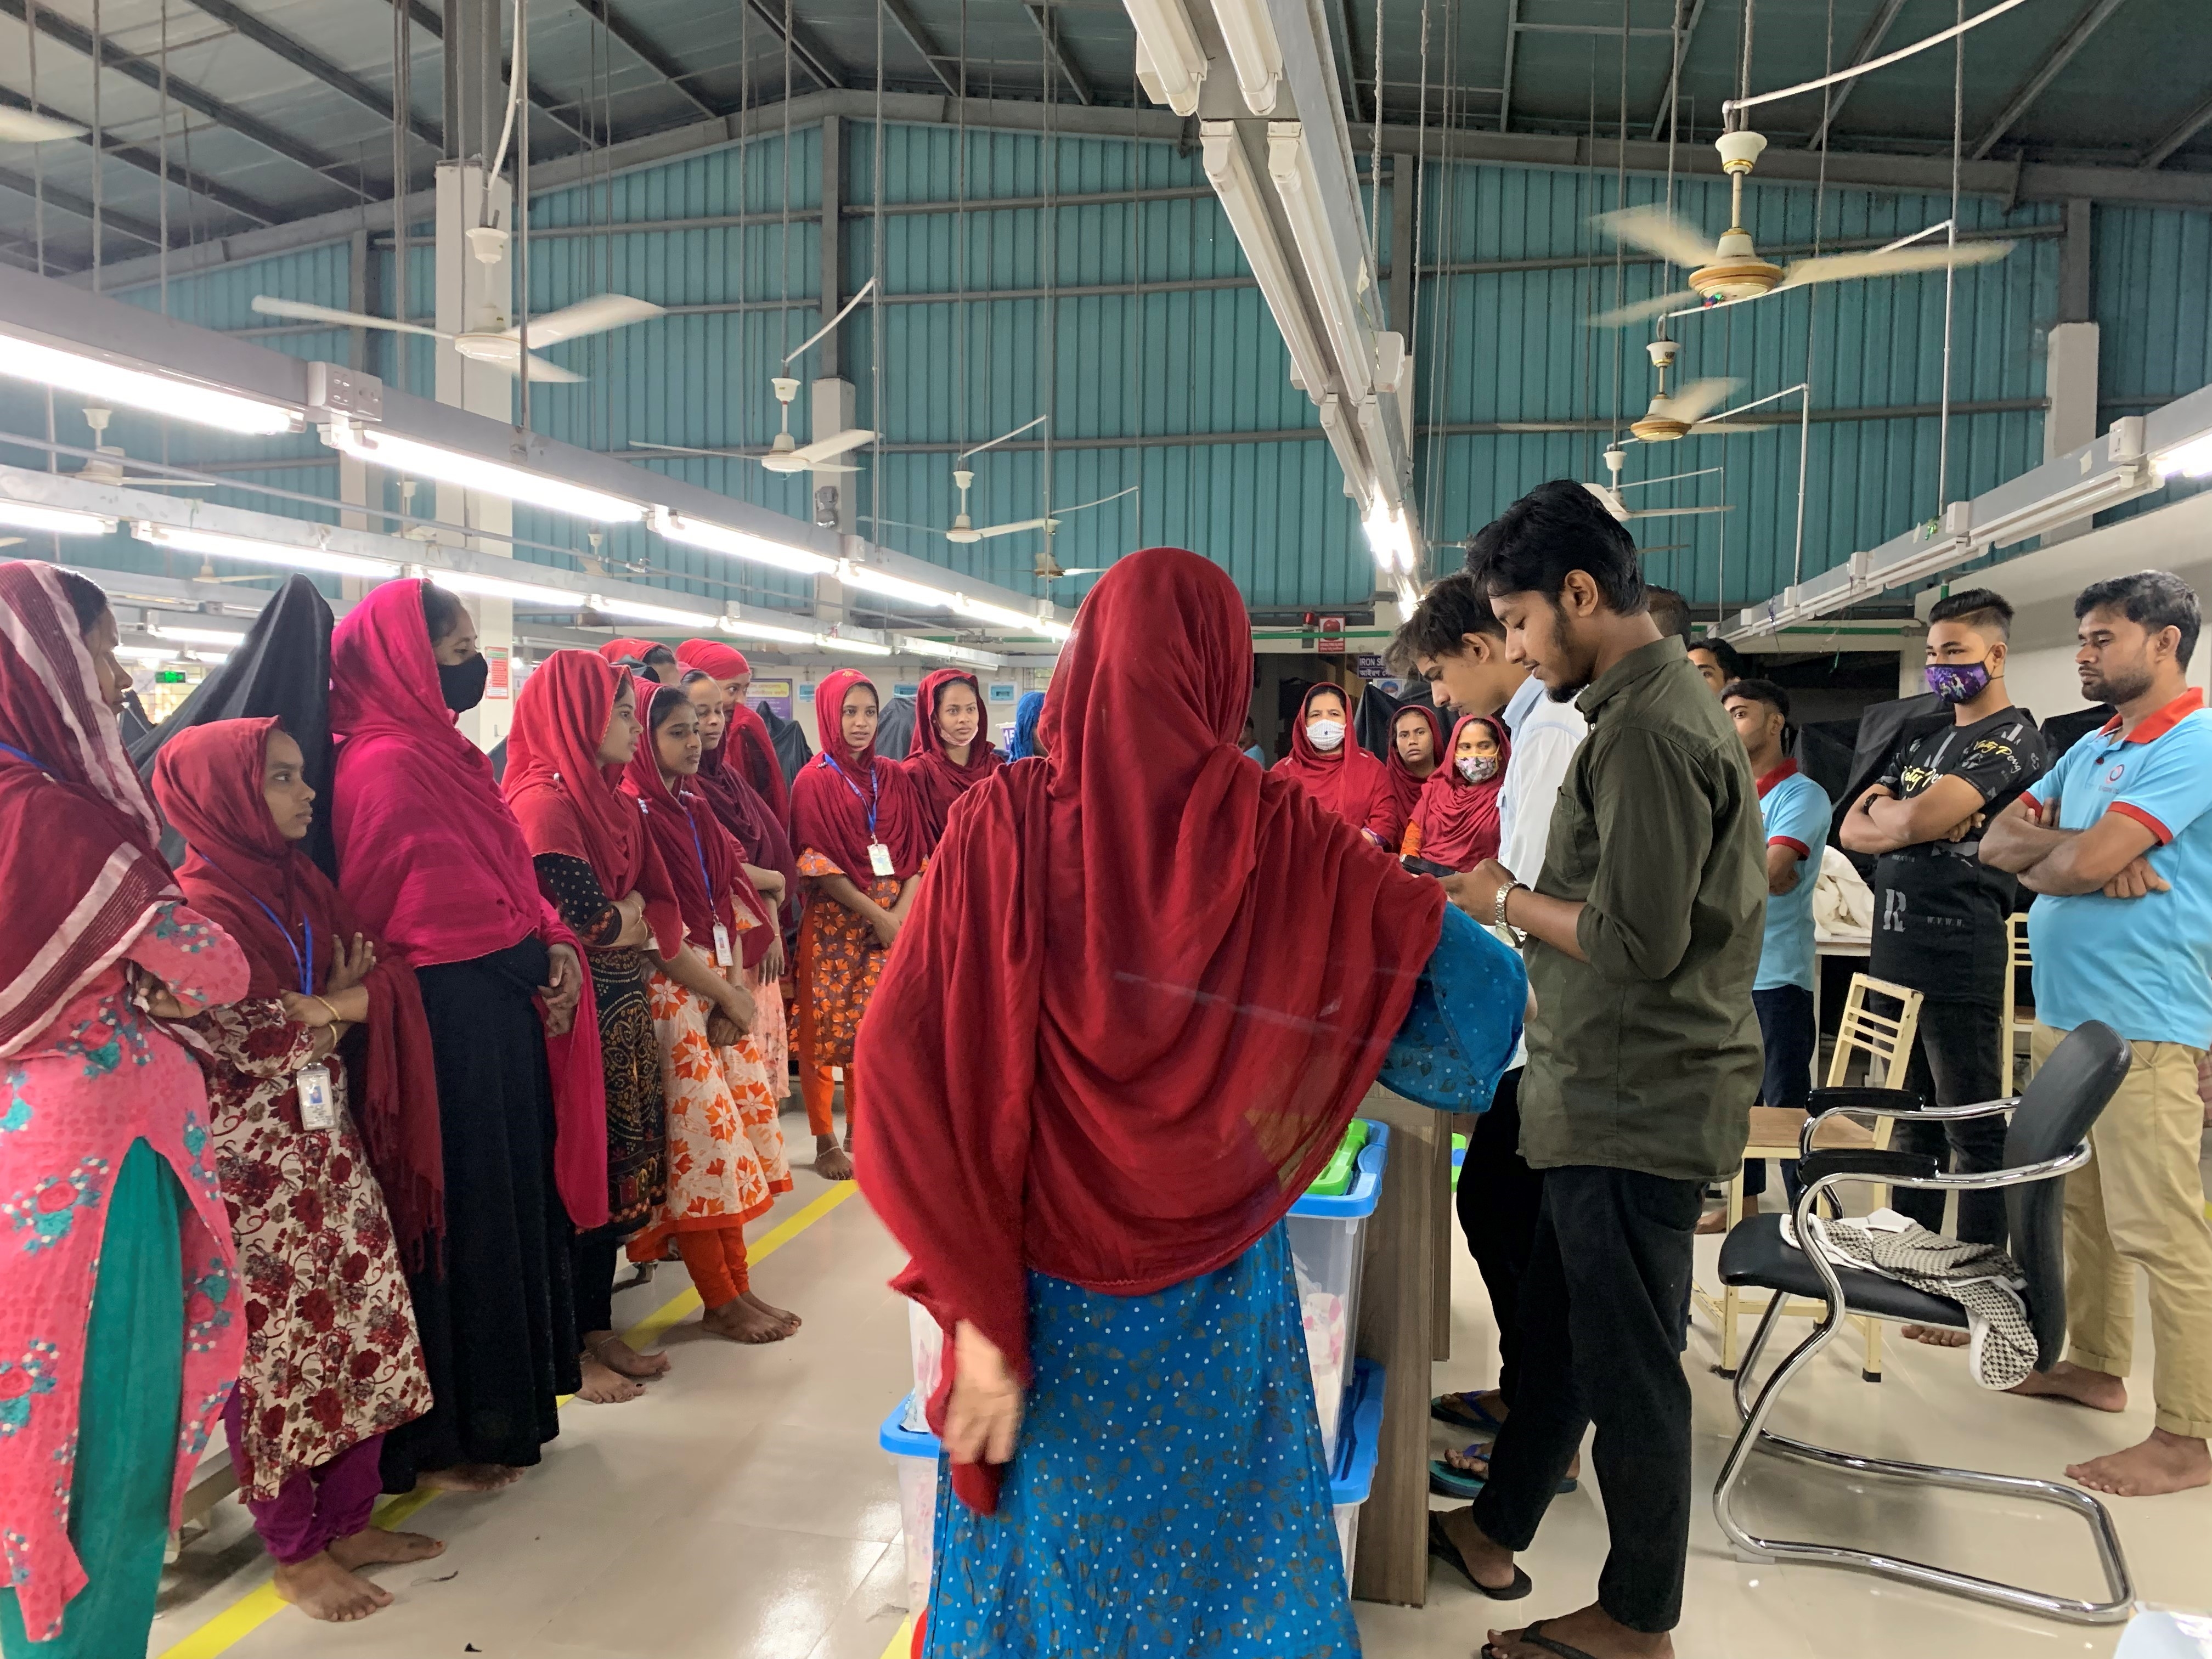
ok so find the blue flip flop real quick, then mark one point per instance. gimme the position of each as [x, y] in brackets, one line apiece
[1448, 1482]
[1459, 1411]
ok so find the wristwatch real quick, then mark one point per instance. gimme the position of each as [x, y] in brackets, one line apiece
[1498, 911]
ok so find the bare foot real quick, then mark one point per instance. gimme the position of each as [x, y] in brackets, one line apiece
[832, 1161]
[739, 1321]
[2099, 1391]
[1936, 1336]
[323, 1589]
[1489, 1564]
[604, 1385]
[618, 1356]
[2165, 1462]
[783, 1316]
[469, 1477]
[373, 1547]
[1588, 1629]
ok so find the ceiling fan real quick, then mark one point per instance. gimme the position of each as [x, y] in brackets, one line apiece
[786, 454]
[1609, 495]
[1730, 270]
[502, 348]
[965, 530]
[105, 464]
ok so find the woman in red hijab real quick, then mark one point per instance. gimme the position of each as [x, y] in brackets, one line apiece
[1141, 992]
[725, 1158]
[576, 727]
[1330, 764]
[1456, 821]
[948, 754]
[858, 825]
[1417, 743]
[752, 750]
[326, 1193]
[435, 867]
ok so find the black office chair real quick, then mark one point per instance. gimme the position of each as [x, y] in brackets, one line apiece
[2047, 1138]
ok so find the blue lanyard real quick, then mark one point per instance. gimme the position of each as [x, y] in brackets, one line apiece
[700, 847]
[867, 800]
[28, 760]
[305, 963]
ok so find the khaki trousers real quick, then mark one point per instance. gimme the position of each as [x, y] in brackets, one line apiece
[2140, 1202]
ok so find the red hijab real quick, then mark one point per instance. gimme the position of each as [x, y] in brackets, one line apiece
[1458, 819]
[432, 859]
[1192, 970]
[747, 742]
[1348, 782]
[81, 867]
[832, 798]
[704, 864]
[760, 835]
[569, 801]
[615, 650]
[937, 780]
[240, 872]
[1405, 787]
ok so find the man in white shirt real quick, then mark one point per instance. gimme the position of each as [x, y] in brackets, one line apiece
[1454, 642]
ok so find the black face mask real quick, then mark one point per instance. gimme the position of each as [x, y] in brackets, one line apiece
[462, 683]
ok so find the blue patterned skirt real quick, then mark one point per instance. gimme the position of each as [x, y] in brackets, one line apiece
[1168, 1498]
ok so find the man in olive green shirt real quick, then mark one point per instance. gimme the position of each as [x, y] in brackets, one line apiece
[1643, 940]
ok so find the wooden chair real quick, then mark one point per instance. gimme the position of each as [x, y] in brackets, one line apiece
[1886, 1041]
[2018, 1030]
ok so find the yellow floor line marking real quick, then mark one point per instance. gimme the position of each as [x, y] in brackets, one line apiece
[903, 1643]
[257, 1606]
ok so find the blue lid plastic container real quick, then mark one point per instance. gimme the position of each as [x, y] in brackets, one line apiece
[1329, 1244]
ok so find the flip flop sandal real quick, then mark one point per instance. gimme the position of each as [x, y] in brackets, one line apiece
[1448, 1482]
[1459, 1411]
[1441, 1548]
[1535, 1636]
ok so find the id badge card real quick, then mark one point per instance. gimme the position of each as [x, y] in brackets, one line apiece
[879, 858]
[723, 958]
[319, 1107]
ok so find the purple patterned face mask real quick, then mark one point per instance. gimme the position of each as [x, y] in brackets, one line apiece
[1958, 681]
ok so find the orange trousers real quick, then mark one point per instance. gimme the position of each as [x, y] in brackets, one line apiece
[817, 1084]
[716, 1258]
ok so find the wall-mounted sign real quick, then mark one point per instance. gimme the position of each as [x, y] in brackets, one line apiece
[772, 694]
[911, 689]
[1002, 691]
[1370, 665]
[499, 682]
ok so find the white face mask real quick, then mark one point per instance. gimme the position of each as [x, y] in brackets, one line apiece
[1325, 735]
[1478, 768]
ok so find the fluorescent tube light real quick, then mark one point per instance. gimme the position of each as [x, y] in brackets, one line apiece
[454, 467]
[870, 579]
[498, 588]
[858, 647]
[954, 654]
[212, 658]
[744, 627]
[1171, 63]
[57, 520]
[737, 543]
[981, 611]
[145, 653]
[1230, 172]
[1292, 168]
[2193, 459]
[102, 380]
[671, 614]
[1249, 34]
[1388, 537]
[221, 636]
[214, 546]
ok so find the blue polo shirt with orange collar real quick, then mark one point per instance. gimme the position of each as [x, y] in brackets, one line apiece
[2143, 966]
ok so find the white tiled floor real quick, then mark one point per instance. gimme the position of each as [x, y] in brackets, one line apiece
[743, 1510]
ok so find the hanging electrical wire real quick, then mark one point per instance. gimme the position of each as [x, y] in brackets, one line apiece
[876, 285]
[1951, 237]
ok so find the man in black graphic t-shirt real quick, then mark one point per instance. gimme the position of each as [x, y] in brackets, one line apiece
[1939, 919]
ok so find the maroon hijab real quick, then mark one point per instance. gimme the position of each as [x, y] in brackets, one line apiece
[834, 792]
[704, 865]
[263, 891]
[1190, 972]
[1458, 819]
[1348, 782]
[746, 743]
[937, 780]
[1405, 787]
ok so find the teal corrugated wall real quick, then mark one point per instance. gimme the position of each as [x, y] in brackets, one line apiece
[1193, 353]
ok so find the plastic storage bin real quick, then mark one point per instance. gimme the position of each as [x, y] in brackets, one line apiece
[926, 1343]
[1351, 1475]
[1328, 1245]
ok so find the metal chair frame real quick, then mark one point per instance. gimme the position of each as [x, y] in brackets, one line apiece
[1754, 1413]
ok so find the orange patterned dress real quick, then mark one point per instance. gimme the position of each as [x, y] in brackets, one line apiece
[840, 959]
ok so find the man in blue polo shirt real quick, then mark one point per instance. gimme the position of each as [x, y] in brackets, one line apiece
[2118, 842]
[1795, 810]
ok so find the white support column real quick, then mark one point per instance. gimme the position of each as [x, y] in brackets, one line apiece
[2070, 381]
[472, 294]
[836, 407]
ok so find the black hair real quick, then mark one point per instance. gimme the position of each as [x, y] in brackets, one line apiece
[1765, 692]
[1333, 688]
[693, 676]
[1732, 665]
[657, 654]
[1979, 608]
[2155, 599]
[1670, 610]
[85, 599]
[663, 704]
[1454, 607]
[1556, 528]
[441, 611]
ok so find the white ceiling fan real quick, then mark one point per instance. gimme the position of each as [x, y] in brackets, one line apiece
[786, 454]
[500, 348]
[965, 530]
[106, 463]
[1616, 503]
[1730, 270]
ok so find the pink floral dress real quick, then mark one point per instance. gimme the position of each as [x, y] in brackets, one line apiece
[72, 1103]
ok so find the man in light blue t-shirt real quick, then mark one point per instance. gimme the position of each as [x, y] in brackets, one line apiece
[1795, 811]
[2115, 840]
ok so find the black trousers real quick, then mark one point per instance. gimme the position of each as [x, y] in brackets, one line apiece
[1601, 1311]
[1787, 1032]
[1956, 1061]
[591, 1257]
[1500, 1197]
